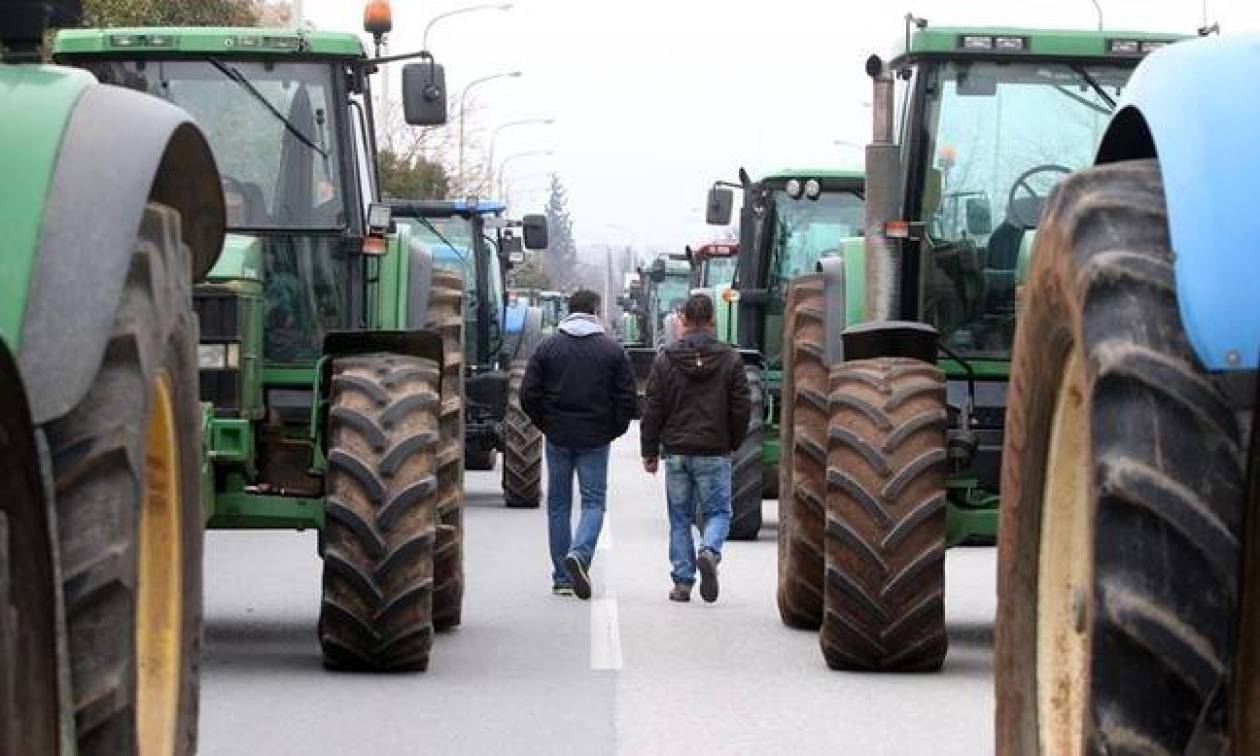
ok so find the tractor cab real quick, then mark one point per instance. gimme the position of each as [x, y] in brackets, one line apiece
[667, 285]
[712, 265]
[789, 221]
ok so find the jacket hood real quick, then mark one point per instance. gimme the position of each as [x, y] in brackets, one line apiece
[697, 354]
[580, 324]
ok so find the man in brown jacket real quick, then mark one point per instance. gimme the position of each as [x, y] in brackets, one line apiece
[697, 410]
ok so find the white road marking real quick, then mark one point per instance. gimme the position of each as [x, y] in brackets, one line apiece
[605, 633]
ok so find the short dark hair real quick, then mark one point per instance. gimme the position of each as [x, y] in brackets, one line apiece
[584, 300]
[698, 310]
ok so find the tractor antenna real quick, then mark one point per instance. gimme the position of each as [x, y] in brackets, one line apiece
[1098, 8]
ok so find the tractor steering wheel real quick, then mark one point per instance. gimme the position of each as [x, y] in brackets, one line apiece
[1013, 209]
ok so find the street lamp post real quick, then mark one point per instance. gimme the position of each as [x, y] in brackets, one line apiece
[494, 135]
[463, 110]
[515, 156]
[424, 45]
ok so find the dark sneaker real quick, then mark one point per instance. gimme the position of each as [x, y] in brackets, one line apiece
[681, 593]
[577, 573]
[707, 564]
[562, 590]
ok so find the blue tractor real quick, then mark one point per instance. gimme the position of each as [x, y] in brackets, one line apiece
[472, 238]
[1129, 578]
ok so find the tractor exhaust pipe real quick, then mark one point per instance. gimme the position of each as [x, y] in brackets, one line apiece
[883, 181]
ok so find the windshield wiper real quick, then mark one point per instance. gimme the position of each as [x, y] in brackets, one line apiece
[1094, 85]
[429, 225]
[244, 83]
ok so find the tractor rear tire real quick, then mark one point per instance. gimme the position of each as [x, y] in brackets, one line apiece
[1117, 603]
[522, 449]
[32, 635]
[381, 513]
[884, 581]
[803, 472]
[746, 467]
[129, 515]
[480, 459]
[446, 316]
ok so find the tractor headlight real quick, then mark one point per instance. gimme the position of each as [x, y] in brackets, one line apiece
[793, 188]
[219, 356]
[212, 356]
[813, 189]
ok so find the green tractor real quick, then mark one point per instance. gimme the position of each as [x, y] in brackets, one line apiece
[331, 344]
[790, 221]
[472, 238]
[630, 303]
[118, 212]
[899, 355]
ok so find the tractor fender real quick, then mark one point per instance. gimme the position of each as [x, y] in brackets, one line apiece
[1188, 105]
[120, 150]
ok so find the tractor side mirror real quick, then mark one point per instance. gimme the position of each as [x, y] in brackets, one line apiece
[717, 211]
[535, 231]
[979, 216]
[424, 94]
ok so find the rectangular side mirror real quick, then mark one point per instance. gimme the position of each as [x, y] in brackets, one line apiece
[717, 211]
[424, 94]
[535, 231]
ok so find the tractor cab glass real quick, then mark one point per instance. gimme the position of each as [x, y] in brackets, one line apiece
[718, 270]
[275, 131]
[999, 136]
[806, 230]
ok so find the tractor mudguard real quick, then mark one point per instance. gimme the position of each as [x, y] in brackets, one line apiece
[1188, 105]
[426, 344]
[120, 150]
[891, 338]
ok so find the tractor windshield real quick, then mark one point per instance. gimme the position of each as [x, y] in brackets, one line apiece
[271, 126]
[718, 270]
[999, 136]
[806, 230]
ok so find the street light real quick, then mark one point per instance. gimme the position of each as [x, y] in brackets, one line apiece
[463, 109]
[424, 44]
[510, 158]
[495, 135]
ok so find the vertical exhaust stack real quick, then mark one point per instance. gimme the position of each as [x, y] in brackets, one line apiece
[883, 177]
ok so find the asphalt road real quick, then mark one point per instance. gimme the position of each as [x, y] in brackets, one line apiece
[530, 673]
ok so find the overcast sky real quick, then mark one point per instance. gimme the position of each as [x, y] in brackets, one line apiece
[653, 99]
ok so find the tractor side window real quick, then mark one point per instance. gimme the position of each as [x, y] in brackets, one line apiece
[305, 294]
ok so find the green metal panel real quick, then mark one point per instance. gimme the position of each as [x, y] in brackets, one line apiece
[854, 251]
[38, 101]
[244, 510]
[300, 377]
[236, 42]
[230, 440]
[394, 275]
[1047, 42]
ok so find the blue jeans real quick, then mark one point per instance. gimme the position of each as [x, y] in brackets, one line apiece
[696, 485]
[591, 466]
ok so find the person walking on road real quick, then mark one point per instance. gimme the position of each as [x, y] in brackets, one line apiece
[579, 391]
[697, 410]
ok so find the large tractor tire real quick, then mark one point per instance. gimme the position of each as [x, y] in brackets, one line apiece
[381, 513]
[522, 448]
[32, 635]
[884, 580]
[125, 463]
[446, 316]
[1122, 487]
[746, 467]
[803, 441]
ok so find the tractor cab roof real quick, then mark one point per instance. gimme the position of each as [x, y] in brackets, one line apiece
[235, 42]
[832, 179]
[445, 208]
[1002, 42]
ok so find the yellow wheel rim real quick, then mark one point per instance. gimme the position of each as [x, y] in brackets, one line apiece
[159, 582]
[1064, 576]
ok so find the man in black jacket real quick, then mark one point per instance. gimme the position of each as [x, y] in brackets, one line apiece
[697, 409]
[579, 391]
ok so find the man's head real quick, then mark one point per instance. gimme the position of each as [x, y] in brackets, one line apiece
[697, 313]
[584, 301]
